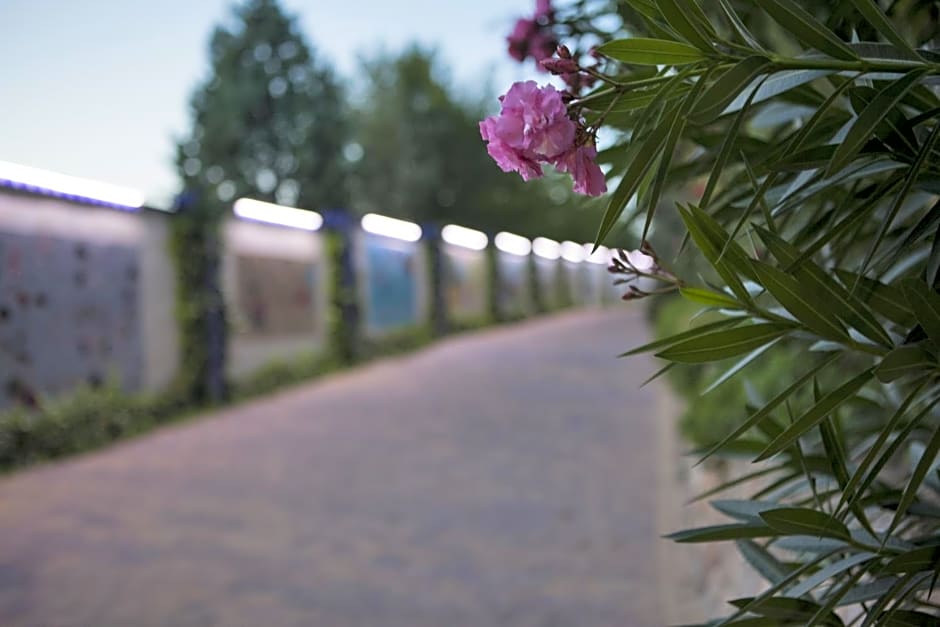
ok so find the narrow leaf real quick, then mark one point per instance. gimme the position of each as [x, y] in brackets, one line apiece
[727, 87]
[643, 51]
[806, 28]
[917, 478]
[793, 521]
[709, 298]
[770, 406]
[718, 533]
[925, 304]
[864, 126]
[801, 301]
[905, 360]
[872, 12]
[816, 413]
[723, 344]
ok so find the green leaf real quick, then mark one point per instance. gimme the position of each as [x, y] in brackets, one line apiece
[908, 618]
[917, 478]
[719, 533]
[761, 560]
[738, 366]
[864, 126]
[801, 301]
[678, 337]
[885, 299]
[847, 307]
[814, 414]
[727, 257]
[926, 558]
[709, 298]
[720, 94]
[687, 19]
[872, 12]
[909, 178]
[632, 100]
[729, 144]
[770, 406]
[905, 360]
[738, 25]
[745, 510]
[822, 575]
[644, 51]
[925, 303]
[669, 147]
[636, 172]
[794, 521]
[806, 159]
[856, 485]
[723, 344]
[786, 609]
[807, 29]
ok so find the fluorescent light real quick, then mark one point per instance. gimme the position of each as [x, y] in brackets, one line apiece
[572, 252]
[512, 244]
[599, 256]
[462, 236]
[277, 214]
[391, 227]
[547, 248]
[34, 179]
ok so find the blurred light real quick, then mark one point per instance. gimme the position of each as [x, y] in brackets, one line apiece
[52, 183]
[391, 227]
[547, 248]
[512, 244]
[600, 256]
[462, 236]
[277, 214]
[572, 252]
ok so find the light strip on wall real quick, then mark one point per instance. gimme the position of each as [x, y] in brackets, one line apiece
[462, 236]
[260, 211]
[599, 256]
[53, 183]
[570, 251]
[547, 248]
[391, 227]
[512, 244]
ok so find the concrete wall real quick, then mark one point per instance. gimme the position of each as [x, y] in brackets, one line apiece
[465, 281]
[515, 294]
[275, 284]
[88, 294]
[393, 283]
[547, 272]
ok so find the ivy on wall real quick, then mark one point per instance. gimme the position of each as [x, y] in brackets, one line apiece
[196, 253]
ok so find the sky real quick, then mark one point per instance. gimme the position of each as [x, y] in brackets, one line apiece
[100, 88]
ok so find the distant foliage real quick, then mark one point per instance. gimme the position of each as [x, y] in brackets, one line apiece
[270, 120]
[802, 142]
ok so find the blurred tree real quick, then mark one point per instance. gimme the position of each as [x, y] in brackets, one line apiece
[269, 121]
[418, 156]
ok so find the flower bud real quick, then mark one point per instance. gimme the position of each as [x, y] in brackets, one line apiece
[560, 66]
[563, 52]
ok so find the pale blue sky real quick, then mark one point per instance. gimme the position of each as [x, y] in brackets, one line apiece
[99, 88]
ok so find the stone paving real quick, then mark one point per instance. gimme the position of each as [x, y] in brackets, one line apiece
[504, 478]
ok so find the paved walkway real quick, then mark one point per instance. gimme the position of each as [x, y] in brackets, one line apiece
[505, 478]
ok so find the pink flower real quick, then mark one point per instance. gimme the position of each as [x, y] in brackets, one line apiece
[519, 38]
[543, 9]
[529, 39]
[532, 126]
[579, 163]
[507, 157]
